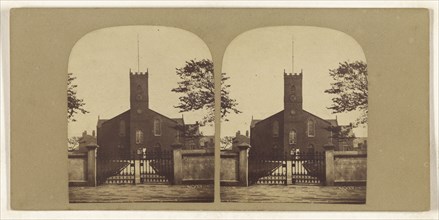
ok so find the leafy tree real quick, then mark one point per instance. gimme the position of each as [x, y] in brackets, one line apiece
[73, 143]
[189, 131]
[198, 92]
[226, 142]
[74, 104]
[350, 89]
[342, 134]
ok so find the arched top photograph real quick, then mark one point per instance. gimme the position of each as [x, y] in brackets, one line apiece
[313, 75]
[302, 93]
[140, 91]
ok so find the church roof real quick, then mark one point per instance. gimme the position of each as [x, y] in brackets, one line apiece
[254, 121]
[101, 121]
[179, 121]
[330, 121]
[333, 122]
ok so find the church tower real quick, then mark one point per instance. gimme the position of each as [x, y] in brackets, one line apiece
[139, 104]
[139, 90]
[292, 109]
[293, 93]
[139, 99]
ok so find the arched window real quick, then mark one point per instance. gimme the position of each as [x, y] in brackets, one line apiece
[157, 127]
[139, 137]
[275, 129]
[122, 128]
[293, 89]
[311, 128]
[292, 137]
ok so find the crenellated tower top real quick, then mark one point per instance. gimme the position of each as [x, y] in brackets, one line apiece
[293, 75]
[139, 73]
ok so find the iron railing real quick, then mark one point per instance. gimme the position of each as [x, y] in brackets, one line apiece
[308, 167]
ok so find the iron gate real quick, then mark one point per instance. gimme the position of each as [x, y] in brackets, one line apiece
[152, 166]
[265, 169]
[308, 168]
[156, 166]
[115, 169]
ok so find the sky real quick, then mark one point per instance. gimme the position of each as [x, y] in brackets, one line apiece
[101, 61]
[255, 62]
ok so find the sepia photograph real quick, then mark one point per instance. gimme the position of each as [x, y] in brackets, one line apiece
[140, 117]
[217, 112]
[300, 135]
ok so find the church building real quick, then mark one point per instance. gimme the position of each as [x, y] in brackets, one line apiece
[293, 128]
[143, 128]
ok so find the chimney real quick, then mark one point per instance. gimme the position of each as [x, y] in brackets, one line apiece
[246, 133]
[93, 133]
[238, 133]
[84, 133]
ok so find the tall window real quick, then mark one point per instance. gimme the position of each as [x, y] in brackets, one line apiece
[157, 127]
[293, 89]
[275, 129]
[178, 136]
[311, 128]
[292, 137]
[139, 137]
[122, 128]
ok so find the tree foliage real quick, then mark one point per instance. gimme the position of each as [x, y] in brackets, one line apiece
[197, 89]
[226, 142]
[350, 89]
[341, 132]
[73, 143]
[189, 131]
[74, 104]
